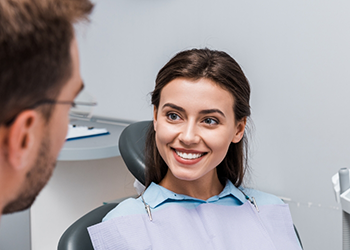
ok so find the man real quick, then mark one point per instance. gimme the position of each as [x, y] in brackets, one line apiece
[39, 79]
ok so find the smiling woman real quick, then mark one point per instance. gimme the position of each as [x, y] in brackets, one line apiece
[196, 160]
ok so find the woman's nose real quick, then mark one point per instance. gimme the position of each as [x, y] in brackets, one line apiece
[189, 134]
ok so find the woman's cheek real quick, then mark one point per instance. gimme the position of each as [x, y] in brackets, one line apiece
[166, 133]
[218, 140]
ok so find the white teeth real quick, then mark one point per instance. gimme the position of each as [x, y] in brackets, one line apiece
[189, 156]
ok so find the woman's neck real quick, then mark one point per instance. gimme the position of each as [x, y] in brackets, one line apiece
[203, 188]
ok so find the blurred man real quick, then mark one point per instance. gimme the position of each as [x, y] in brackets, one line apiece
[39, 79]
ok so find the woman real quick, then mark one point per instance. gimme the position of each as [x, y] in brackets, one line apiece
[195, 165]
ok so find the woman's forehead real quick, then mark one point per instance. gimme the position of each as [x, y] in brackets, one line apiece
[203, 93]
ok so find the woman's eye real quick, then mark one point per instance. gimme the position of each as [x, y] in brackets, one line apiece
[210, 121]
[173, 116]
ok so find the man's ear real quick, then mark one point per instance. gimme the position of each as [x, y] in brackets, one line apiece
[21, 138]
[240, 127]
[155, 111]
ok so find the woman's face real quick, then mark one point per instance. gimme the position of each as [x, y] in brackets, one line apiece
[194, 126]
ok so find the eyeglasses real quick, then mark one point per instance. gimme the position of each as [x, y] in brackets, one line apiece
[81, 107]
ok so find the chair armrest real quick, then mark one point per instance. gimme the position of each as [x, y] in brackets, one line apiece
[76, 237]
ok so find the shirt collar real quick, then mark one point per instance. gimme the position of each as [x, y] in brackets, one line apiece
[156, 194]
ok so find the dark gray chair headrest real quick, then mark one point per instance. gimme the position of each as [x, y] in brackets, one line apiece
[131, 146]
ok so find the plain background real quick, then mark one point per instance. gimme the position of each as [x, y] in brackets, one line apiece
[296, 56]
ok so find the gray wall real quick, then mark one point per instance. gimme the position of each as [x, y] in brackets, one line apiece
[296, 57]
[15, 231]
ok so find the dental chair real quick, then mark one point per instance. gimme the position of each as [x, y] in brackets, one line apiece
[131, 147]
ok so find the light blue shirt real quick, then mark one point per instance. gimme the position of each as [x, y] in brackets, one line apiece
[224, 221]
[158, 197]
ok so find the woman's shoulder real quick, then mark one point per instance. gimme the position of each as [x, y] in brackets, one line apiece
[132, 206]
[263, 198]
[127, 207]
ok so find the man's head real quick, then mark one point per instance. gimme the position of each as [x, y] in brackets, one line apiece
[39, 61]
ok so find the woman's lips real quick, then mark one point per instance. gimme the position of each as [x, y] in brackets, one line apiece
[188, 157]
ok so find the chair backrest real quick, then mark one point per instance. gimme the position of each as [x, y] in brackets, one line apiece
[76, 237]
[131, 146]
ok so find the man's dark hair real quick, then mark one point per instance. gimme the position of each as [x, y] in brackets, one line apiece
[222, 69]
[35, 59]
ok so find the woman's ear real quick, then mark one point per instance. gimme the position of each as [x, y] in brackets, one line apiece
[155, 110]
[240, 127]
[21, 138]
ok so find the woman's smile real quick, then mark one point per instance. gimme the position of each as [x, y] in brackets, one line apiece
[187, 157]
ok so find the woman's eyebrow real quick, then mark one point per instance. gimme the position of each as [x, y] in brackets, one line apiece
[202, 112]
[171, 105]
[210, 111]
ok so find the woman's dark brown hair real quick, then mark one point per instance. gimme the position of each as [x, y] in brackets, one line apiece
[221, 68]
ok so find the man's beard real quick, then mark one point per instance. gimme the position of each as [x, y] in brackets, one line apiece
[36, 179]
